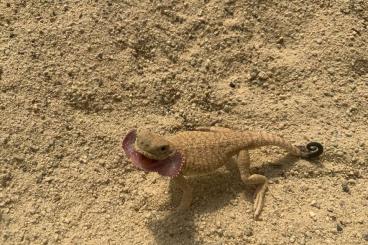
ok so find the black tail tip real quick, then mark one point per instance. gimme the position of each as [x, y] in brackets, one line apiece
[312, 150]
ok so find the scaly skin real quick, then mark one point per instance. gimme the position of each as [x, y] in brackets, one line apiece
[206, 149]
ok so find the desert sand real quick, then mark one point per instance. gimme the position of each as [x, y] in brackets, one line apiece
[75, 76]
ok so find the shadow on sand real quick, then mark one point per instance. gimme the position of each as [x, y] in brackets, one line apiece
[210, 192]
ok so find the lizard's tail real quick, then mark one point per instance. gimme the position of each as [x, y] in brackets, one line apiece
[311, 150]
[258, 139]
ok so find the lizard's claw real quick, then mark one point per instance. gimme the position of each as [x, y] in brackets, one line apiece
[311, 150]
[259, 199]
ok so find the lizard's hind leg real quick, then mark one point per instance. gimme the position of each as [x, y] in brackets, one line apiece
[255, 179]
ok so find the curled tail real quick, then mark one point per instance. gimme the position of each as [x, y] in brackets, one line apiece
[311, 150]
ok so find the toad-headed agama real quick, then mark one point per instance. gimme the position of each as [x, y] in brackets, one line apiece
[204, 150]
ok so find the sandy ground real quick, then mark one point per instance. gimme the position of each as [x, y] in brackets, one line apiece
[76, 75]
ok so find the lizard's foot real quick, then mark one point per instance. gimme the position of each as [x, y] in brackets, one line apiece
[259, 200]
[260, 192]
[311, 150]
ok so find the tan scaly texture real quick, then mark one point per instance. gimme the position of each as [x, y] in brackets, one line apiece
[206, 151]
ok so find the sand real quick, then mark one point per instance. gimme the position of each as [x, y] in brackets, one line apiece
[75, 76]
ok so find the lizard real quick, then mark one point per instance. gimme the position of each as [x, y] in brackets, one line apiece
[202, 151]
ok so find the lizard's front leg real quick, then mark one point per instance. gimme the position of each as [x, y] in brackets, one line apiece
[186, 199]
[256, 179]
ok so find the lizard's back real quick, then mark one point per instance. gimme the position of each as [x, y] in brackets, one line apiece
[204, 152]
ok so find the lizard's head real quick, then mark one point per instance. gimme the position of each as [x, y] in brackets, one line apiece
[152, 153]
[153, 146]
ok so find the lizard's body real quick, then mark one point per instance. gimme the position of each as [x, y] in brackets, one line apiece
[203, 151]
[206, 151]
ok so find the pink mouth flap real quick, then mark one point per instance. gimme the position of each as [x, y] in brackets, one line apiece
[170, 166]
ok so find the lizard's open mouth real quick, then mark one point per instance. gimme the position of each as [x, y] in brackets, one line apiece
[170, 166]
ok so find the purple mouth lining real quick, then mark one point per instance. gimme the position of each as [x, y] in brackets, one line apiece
[170, 166]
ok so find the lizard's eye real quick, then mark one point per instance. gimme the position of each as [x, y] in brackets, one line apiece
[164, 148]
